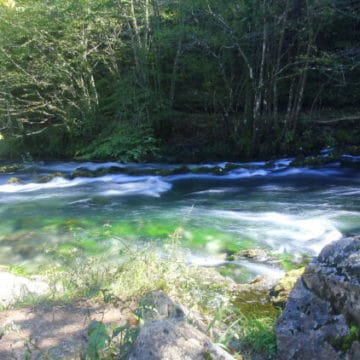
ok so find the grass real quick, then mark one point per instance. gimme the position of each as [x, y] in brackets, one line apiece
[130, 273]
[344, 342]
[139, 268]
[259, 334]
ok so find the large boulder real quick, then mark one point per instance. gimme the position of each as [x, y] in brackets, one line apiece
[322, 317]
[171, 339]
[335, 276]
[172, 332]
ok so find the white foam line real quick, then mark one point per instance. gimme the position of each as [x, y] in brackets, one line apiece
[261, 269]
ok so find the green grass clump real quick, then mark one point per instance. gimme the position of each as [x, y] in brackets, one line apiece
[18, 270]
[259, 334]
[344, 342]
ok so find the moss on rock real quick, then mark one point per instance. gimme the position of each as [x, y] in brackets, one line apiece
[281, 291]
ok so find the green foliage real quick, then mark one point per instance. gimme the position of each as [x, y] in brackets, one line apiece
[344, 342]
[18, 270]
[259, 333]
[12, 148]
[97, 339]
[208, 79]
[109, 343]
[123, 142]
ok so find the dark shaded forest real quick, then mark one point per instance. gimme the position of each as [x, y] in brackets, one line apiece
[176, 80]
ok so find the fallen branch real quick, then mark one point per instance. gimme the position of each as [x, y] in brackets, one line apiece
[345, 118]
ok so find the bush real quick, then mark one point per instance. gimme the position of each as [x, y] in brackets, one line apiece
[123, 142]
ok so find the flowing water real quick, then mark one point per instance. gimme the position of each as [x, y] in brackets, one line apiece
[284, 210]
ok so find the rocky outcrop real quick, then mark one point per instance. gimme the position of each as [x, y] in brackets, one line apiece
[171, 332]
[322, 317]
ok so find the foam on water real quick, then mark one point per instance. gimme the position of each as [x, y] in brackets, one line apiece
[261, 269]
[352, 158]
[283, 162]
[306, 172]
[71, 166]
[116, 185]
[222, 190]
[209, 261]
[255, 268]
[288, 233]
[81, 201]
[151, 187]
[53, 184]
[240, 173]
[245, 173]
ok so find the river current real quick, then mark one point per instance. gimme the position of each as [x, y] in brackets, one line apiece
[284, 210]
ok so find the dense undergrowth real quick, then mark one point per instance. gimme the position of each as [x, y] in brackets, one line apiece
[200, 142]
[177, 81]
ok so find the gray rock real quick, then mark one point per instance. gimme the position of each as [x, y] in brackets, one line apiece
[322, 305]
[305, 326]
[174, 340]
[335, 276]
[354, 352]
[16, 288]
[168, 335]
[157, 305]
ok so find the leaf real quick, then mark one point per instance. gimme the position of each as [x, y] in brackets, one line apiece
[119, 330]
[98, 337]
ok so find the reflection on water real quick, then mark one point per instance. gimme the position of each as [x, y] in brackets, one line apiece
[255, 205]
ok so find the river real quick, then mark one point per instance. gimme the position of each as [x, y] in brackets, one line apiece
[286, 211]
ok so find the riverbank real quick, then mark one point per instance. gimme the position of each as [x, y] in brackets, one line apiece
[192, 313]
[118, 300]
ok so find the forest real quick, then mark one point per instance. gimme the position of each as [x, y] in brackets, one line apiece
[176, 80]
[179, 179]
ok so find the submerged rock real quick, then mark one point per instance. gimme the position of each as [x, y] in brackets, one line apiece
[254, 254]
[48, 178]
[322, 315]
[11, 168]
[87, 173]
[14, 180]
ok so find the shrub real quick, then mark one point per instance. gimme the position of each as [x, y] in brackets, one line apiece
[123, 142]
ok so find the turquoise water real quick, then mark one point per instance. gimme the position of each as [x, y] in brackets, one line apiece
[270, 206]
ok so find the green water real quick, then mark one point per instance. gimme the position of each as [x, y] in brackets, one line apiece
[277, 208]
